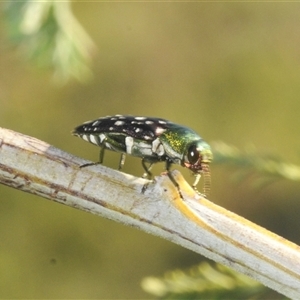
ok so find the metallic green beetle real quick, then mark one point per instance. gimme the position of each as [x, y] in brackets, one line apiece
[152, 139]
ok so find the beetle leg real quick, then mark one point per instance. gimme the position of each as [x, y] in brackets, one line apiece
[101, 156]
[168, 166]
[122, 161]
[196, 181]
[147, 169]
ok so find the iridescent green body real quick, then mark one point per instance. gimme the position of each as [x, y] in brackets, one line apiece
[151, 139]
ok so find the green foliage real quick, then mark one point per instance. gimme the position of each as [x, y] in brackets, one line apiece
[263, 168]
[50, 36]
[206, 282]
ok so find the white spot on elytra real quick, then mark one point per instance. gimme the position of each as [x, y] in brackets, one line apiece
[147, 137]
[102, 137]
[155, 143]
[162, 122]
[111, 128]
[158, 148]
[93, 139]
[96, 123]
[119, 123]
[159, 130]
[149, 122]
[138, 130]
[140, 118]
[129, 144]
[145, 149]
[85, 137]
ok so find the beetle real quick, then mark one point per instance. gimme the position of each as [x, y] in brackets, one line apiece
[153, 140]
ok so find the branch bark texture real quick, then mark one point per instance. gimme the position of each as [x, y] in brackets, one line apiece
[156, 207]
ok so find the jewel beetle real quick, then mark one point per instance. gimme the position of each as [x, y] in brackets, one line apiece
[153, 140]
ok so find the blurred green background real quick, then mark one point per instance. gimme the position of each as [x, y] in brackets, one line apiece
[231, 71]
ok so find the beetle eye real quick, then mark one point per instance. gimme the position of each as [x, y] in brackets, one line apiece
[193, 154]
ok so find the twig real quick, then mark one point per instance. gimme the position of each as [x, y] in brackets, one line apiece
[155, 207]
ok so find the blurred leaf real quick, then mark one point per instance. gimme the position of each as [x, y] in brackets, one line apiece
[262, 168]
[206, 282]
[51, 37]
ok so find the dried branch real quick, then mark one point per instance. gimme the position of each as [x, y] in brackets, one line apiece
[155, 207]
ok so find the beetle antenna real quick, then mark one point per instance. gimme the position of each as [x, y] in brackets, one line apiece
[207, 179]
